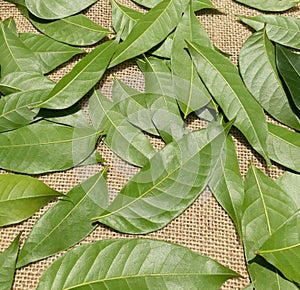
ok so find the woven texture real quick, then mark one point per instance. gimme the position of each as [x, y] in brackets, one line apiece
[204, 227]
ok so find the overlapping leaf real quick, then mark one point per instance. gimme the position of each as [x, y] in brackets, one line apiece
[167, 184]
[257, 65]
[134, 264]
[46, 147]
[270, 5]
[22, 196]
[231, 94]
[11, 25]
[68, 218]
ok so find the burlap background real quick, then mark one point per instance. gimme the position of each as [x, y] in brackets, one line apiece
[204, 227]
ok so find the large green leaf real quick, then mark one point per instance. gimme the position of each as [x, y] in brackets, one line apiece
[283, 146]
[270, 5]
[21, 197]
[226, 183]
[281, 29]
[288, 64]
[150, 29]
[166, 186]
[284, 253]
[46, 147]
[189, 90]
[14, 54]
[50, 52]
[134, 264]
[124, 139]
[69, 217]
[257, 65]
[8, 260]
[55, 9]
[85, 74]
[225, 84]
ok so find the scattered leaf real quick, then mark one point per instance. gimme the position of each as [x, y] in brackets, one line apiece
[270, 5]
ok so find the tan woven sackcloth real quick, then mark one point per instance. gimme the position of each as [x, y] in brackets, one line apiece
[204, 227]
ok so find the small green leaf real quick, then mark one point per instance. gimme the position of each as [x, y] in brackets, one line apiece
[270, 5]
[134, 264]
[202, 4]
[258, 69]
[21, 197]
[69, 217]
[281, 29]
[283, 146]
[8, 260]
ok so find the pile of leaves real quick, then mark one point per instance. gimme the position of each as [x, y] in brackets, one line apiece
[184, 74]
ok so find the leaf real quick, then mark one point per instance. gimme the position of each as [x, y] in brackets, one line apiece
[281, 29]
[85, 74]
[55, 9]
[166, 186]
[23, 82]
[270, 5]
[128, 142]
[50, 52]
[190, 91]
[11, 25]
[202, 4]
[150, 30]
[231, 94]
[283, 146]
[21, 197]
[134, 264]
[226, 183]
[69, 217]
[14, 55]
[284, 253]
[163, 49]
[288, 64]
[8, 260]
[123, 18]
[45, 147]
[258, 69]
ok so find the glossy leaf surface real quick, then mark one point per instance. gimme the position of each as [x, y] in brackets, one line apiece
[8, 260]
[85, 74]
[283, 146]
[281, 29]
[50, 52]
[134, 264]
[55, 9]
[166, 186]
[21, 197]
[257, 65]
[46, 147]
[270, 5]
[123, 139]
[68, 218]
[150, 30]
[225, 84]
[288, 64]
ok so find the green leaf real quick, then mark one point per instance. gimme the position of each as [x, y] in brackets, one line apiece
[45, 147]
[21, 197]
[225, 84]
[283, 146]
[284, 253]
[163, 49]
[69, 217]
[190, 91]
[257, 65]
[8, 260]
[288, 64]
[166, 186]
[270, 5]
[134, 264]
[281, 29]
[55, 9]
[11, 25]
[123, 139]
[123, 18]
[150, 30]
[14, 55]
[50, 52]
[85, 74]
[202, 4]
[226, 183]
